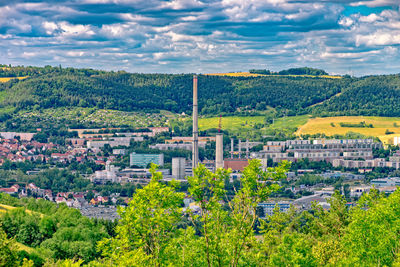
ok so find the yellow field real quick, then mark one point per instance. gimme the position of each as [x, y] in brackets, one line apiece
[6, 79]
[248, 74]
[5, 208]
[381, 124]
[236, 74]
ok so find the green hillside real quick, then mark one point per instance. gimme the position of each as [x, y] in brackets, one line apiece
[55, 87]
[120, 98]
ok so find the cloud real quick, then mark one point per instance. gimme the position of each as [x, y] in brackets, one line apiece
[202, 35]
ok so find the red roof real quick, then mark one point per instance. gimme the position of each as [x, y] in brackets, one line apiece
[8, 190]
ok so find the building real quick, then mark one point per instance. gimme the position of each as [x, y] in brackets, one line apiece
[236, 164]
[383, 182]
[305, 202]
[357, 164]
[183, 146]
[269, 207]
[76, 142]
[113, 142]
[358, 191]
[13, 135]
[119, 151]
[189, 139]
[178, 168]
[142, 160]
[107, 175]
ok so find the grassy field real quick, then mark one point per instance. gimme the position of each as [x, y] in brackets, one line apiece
[248, 74]
[248, 126]
[5, 208]
[289, 122]
[230, 123]
[331, 126]
[6, 79]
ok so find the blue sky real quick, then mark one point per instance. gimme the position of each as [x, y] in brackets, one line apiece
[203, 36]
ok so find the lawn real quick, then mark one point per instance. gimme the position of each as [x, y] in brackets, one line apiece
[230, 123]
[331, 126]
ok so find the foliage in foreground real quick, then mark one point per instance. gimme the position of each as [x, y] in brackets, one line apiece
[50, 232]
[155, 230]
[228, 233]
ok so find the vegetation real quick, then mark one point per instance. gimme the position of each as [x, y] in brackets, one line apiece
[54, 87]
[256, 127]
[369, 96]
[367, 126]
[356, 125]
[155, 230]
[46, 231]
[293, 71]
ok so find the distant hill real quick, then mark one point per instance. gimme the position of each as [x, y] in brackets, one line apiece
[293, 71]
[53, 87]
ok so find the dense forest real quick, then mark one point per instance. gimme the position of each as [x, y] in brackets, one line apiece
[154, 230]
[133, 92]
[55, 87]
[293, 71]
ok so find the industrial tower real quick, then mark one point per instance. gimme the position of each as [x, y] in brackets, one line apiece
[195, 154]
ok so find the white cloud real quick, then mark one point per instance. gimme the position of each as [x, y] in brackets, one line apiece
[75, 29]
[370, 18]
[346, 21]
[50, 27]
[376, 3]
[378, 38]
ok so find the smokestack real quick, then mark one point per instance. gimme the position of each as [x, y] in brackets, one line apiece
[240, 148]
[247, 148]
[219, 151]
[195, 154]
[232, 148]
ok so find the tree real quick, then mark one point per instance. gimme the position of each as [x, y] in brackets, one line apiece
[8, 251]
[147, 225]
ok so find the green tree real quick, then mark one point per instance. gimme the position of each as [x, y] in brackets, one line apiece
[147, 225]
[8, 251]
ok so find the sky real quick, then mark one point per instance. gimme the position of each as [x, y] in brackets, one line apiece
[203, 36]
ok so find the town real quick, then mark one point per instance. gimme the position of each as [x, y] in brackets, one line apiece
[113, 156]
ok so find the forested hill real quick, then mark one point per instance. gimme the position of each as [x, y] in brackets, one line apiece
[51, 87]
[373, 95]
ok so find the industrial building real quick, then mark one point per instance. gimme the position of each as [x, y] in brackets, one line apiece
[178, 168]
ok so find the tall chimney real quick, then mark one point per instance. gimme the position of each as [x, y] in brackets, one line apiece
[195, 154]
[247, 148]
[219, 151]
[240, 148]
[232, 148]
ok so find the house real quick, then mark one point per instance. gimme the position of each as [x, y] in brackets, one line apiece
[59, 200]
[12, 190]
[358, 191]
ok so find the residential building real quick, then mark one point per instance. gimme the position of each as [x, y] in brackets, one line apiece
[270, 207]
